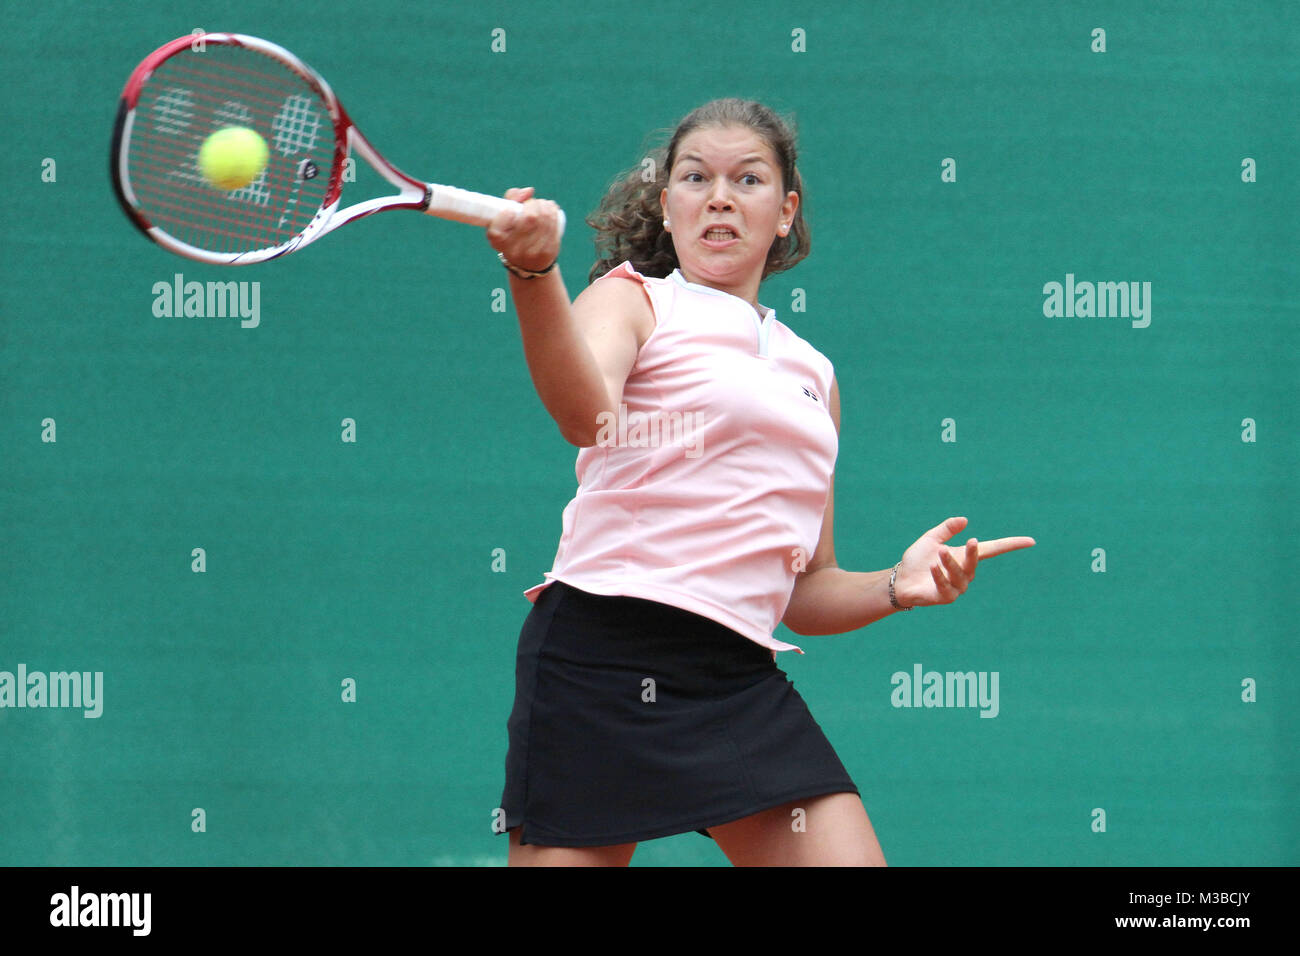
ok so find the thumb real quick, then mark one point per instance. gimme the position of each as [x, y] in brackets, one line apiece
[944, 531]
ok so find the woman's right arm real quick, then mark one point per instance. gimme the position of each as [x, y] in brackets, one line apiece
[579, 355]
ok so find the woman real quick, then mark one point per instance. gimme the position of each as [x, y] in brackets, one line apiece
[648, 701]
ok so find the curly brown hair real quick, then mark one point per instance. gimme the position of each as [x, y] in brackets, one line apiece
[629, 222]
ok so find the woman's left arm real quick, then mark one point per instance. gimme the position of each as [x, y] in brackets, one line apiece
[829, 600]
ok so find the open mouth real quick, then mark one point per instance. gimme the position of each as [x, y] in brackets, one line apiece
[719, 234]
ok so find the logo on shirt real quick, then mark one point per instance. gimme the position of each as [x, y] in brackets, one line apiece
[810, 393]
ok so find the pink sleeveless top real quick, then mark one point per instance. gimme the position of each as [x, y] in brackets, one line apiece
[706, 492]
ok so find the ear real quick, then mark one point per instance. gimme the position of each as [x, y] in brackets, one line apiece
[789, 208]
[663, 207]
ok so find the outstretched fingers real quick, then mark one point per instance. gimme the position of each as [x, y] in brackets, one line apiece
[989, 549]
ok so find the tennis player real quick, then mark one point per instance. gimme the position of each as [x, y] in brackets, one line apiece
[648, 701]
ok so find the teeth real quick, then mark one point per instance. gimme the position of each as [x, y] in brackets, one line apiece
[719, 234]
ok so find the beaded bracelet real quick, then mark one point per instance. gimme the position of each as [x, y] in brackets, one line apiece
[892, 599]
[523, 273]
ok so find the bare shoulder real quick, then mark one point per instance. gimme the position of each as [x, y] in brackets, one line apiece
[615, 305]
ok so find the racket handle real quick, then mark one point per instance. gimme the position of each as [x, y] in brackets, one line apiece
[477, 209]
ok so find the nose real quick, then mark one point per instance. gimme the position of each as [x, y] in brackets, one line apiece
[719, 198]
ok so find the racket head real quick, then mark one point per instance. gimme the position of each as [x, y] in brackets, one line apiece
[195, 85]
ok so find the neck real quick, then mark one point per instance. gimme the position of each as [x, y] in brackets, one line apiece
[747, 290]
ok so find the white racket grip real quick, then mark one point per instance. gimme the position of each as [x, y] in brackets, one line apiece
[477, 209]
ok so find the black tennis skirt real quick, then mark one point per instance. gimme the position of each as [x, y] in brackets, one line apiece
[634, 720]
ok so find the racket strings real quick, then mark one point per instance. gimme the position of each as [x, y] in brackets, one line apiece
[192, 95]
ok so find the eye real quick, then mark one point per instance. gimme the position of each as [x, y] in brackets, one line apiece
[692, 177]
[750, 179]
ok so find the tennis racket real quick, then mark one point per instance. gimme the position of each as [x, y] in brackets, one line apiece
[195, 85]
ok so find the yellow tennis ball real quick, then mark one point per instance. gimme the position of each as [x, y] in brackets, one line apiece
[231, 158]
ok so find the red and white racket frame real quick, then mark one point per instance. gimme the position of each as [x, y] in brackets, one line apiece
[445, 202]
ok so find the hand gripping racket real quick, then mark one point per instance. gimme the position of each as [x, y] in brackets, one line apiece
[188, 89]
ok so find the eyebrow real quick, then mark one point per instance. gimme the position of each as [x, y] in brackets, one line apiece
[751, 158]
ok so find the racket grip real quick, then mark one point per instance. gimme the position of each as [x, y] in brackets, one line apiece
[476, 209]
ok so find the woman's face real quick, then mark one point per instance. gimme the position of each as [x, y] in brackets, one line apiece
[724, 206]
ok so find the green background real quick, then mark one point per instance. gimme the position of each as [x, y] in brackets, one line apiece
[326, 560]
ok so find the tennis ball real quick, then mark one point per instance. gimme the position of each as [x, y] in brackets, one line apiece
[231, 158]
